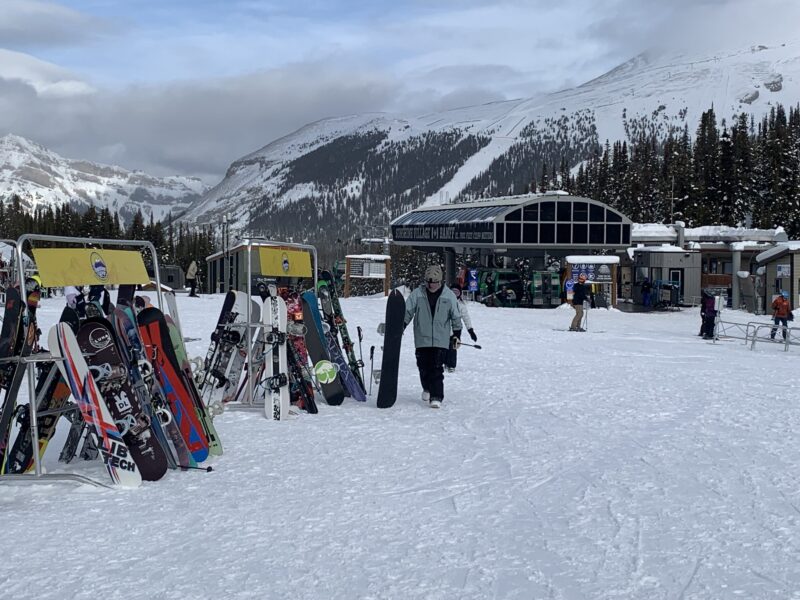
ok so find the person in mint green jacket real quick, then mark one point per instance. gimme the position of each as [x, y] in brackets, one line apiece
[434, 309]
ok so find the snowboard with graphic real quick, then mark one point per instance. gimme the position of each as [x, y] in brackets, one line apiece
[341, 326]
[115, 454]
[317, 346]
[277, 402]
[104, 357]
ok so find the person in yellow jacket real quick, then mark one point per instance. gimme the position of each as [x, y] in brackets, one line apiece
[780, 313]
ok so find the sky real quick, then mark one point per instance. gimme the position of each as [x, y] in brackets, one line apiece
[188, 86]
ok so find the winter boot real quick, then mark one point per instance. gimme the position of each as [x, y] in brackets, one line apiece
[426, 396]
[436, 402]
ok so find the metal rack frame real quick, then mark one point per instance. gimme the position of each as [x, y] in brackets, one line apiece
[249, 402]
[29, 362]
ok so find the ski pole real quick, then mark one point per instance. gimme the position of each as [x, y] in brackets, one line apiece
[460, 343]
[187, 467]
[360, 353]
[371, 366]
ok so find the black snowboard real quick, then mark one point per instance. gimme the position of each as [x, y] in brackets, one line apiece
[393, 337]
[317, 347]
[100, 346]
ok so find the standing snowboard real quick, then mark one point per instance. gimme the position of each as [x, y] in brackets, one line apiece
[393, 337]
[317, 347]
[116, 457]
[99, 345]
[276, 405]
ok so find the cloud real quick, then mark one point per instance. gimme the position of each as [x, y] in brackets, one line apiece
[195, 128]
[26, 24]
[190, 86]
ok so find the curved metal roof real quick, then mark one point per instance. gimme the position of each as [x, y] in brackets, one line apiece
[550, 220]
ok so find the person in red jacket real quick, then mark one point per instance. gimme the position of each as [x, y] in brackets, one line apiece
[780, 313]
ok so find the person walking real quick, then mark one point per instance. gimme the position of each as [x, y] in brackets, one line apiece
[452, 353]
[579, 294]
[709, 312]
[191, 278]
[437, 325]
[780, 314]
[647, 288]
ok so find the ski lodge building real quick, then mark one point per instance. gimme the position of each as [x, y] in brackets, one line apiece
[546, 228]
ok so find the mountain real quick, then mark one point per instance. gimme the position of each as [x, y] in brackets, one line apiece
[43, 178]
[325, 180]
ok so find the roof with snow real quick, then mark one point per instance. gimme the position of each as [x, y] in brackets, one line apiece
[658, 232]
[778, 251]
[530, 221]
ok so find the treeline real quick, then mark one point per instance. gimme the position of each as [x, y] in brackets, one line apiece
[175, 244]
[746, 173]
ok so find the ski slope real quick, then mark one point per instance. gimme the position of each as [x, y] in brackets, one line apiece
[634, 461]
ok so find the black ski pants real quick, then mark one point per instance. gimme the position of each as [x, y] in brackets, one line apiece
[430, 362]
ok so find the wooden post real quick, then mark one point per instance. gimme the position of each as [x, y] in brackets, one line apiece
[387, 276]
[613, 285]
[347, 277]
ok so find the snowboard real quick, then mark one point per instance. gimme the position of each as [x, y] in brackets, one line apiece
[159, 352]
[224, 315]
[52, 394]
[393, 337]
[206, 420]
[116, 456]
[317, 347]
[239, 358]
[12, 380]
[99, 345]
[341, 324]
[148, 390]
[299, 372]
[351, 383]
[230, 338]
[276, 406]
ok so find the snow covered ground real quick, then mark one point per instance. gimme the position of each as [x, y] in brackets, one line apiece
[632, 461]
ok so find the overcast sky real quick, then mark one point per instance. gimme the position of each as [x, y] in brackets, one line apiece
[188, 86]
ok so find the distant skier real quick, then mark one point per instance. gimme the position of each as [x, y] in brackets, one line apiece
[191, 278]
[709, 310]
[780, 313]
[450, 363]
[646, 289]
[579, 294]
[435, 312]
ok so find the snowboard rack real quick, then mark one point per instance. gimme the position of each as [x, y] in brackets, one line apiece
[29, 362]
[249, 402]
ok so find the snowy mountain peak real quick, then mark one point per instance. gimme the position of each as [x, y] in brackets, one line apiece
[42, 177]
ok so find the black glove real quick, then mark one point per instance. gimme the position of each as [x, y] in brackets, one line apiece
[472, 334]
[457, 333]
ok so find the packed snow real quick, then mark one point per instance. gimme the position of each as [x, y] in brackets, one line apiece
[633, 461]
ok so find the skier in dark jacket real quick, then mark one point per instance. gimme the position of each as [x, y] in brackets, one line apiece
[646, 289]
[579, 295]
[434, 310]
[709, 311]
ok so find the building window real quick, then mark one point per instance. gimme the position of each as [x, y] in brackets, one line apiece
[515, 215]
[531, 213]
[513, 233]
[564, 211]
[564, 231]
[613, 234]
[547, 233]
[580, 211]
[499, 233]
[580, 234]
[530, 233]
[596, 233]
[626, 235]
[613, 217]
[547, 211]
[596, 213]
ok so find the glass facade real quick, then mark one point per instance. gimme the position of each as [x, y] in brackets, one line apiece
[547, 221]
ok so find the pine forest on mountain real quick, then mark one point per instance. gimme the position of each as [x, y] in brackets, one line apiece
[742, 172]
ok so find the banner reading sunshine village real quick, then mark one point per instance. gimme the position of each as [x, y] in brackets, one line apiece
[89, 266]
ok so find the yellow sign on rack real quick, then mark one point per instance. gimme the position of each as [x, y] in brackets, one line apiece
[282, 262]
[89, 266]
